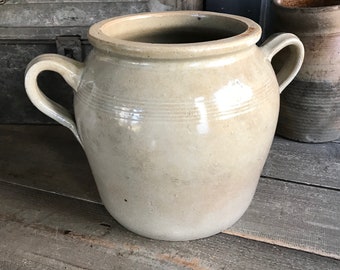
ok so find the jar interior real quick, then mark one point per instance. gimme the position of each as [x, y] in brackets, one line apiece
[308, 3]
[180, 35]
[174, 29]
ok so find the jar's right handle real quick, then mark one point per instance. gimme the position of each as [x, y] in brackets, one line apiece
[292, 65]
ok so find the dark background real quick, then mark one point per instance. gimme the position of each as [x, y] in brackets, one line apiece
[23, 37]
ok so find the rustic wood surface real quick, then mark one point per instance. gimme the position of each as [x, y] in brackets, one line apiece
[292, 207]
[311, 164]
[39, 230]
[291, 215]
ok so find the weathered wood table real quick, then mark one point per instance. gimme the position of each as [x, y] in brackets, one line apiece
[51, 216]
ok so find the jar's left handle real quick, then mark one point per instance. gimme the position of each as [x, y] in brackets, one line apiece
[70, 70]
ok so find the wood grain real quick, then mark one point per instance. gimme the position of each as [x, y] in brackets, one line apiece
[47, 158]
[295, 216]
[315, 164]
[39, 230]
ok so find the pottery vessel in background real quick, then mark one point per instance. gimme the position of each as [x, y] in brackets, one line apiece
[310, 106]
[176, 112]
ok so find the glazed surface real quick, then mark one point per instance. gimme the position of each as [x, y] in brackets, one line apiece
[182, 143]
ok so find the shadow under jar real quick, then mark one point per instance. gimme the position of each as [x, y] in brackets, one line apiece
[310, 106]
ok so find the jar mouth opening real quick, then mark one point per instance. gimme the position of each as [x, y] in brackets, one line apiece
[178, 32]
[306, 4]
[168, 30]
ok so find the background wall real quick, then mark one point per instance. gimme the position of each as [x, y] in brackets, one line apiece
[257, 10]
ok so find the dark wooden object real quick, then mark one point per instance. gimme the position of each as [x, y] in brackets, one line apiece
[46, 19]
[29, 28]
[51, 215]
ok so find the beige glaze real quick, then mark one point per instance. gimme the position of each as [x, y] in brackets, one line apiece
[176, 112]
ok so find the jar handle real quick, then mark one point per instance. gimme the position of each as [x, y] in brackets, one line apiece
[70, 70]
[291, 67]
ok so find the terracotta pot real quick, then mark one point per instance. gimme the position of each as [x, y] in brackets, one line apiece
[176, 112]
[310, 107]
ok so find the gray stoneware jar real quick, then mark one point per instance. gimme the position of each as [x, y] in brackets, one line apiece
[310, 106]
[176, 112]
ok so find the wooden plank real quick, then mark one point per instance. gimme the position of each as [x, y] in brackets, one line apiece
[295, 216]
[47, 158]
[287, 214]
[313, 164]
[45, 231]
[29, 34]
[65, 14]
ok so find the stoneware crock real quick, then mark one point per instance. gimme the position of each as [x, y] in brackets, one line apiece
[176, 112]
[310, 106]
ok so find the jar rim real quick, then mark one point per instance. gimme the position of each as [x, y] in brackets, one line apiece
[233, 33]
